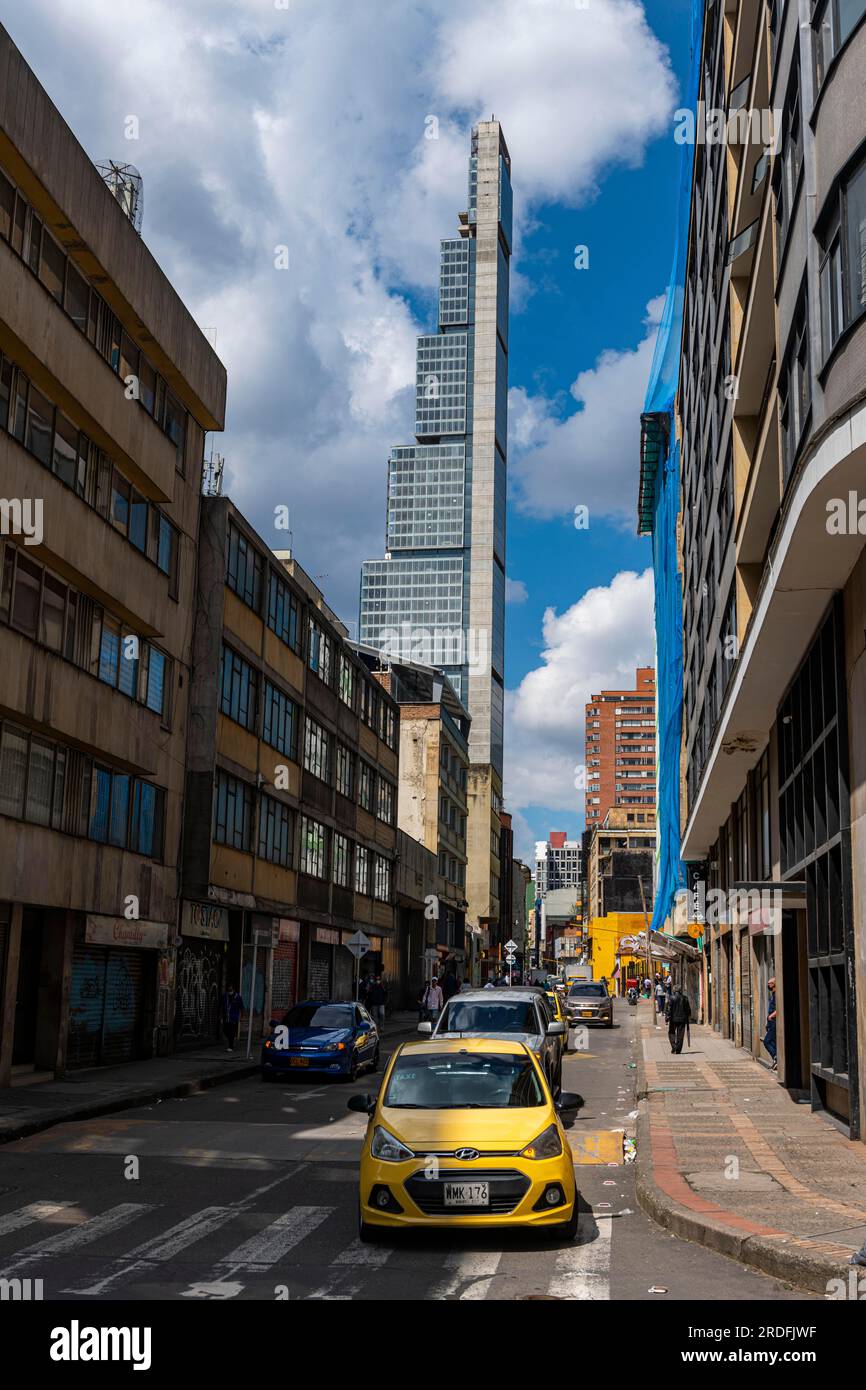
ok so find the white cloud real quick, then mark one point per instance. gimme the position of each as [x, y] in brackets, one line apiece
[306, 127]
[515, 591]
[589, 458]
[596, 644]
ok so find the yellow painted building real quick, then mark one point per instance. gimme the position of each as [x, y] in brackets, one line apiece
[605, 934]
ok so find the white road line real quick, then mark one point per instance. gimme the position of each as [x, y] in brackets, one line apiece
[326, 1290]
[266, 1247]
[162, 1247]
[65, 1242]
[583, 1269]
[373, 1256]
[474, 1269]
[26, 1216]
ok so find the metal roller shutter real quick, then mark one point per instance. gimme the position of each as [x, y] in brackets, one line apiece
[124, 1006]
[86, 1006]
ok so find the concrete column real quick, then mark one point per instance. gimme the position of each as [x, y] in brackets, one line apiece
[10, 991]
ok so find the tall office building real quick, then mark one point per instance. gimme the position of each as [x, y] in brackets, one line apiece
[438, 596]
[557, 862]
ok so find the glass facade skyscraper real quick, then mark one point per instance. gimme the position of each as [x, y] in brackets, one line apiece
[438, 596]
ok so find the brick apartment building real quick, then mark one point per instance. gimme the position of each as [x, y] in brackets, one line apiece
[621, 752]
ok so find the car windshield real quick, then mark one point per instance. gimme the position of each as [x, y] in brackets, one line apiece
[320, 1016]
[463, 1081]
[587, 992]
[463, 1016]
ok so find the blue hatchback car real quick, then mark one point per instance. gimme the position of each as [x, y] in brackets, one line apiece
[334, 1039]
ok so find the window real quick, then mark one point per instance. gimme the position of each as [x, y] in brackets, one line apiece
[233, 813]
[156, 688]
[126, 812]
[342, 857]
[345, 771]
[317, 750]
[843, 259]
[390, 734]
[238, 689]
[347, 681]
[382, 878]
[362, 870]
[367, 783]
[795, 388]
[243, 569]
[385, 809]
[835, 22]
[147, 819]
[321, 653]
[370, 705]
[283, 612]
[313, 848]
[275, 832]
[279, 725]
[790, 163]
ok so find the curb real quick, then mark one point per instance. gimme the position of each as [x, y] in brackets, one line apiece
[10, 1130]
[804, 1264]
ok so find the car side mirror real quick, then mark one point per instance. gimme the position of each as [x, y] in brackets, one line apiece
[555, 1030]
[425, 1027]
[365, 1105]
[569, 1100]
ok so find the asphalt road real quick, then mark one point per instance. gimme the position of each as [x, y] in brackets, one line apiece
[249, 1191]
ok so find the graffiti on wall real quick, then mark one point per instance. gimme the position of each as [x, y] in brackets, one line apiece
[198, 991]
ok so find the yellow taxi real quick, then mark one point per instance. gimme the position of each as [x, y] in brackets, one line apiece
[465, 1133]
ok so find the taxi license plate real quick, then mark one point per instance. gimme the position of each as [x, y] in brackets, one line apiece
[467, 1194]
[586, 1013]
[299, 1061]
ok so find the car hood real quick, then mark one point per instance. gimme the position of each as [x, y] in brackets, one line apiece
[470, 1129]
[533, 1041]
[317, 1037]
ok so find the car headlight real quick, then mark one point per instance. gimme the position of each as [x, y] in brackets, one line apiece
[387, 1148]
[547, 1145]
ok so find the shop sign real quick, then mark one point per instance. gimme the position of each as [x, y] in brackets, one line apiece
[118, 931]
[329, 936]
[205, 919]
[289, 930]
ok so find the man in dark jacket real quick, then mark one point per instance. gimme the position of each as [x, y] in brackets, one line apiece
[376, 999]
[231, 1006]
[450, 984]
[678, 1014]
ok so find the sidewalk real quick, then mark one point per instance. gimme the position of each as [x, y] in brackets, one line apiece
[84, 1095]
[727, 1159]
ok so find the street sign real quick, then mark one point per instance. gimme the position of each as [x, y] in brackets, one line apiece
[431, 955]
[510, 958]
[511, 945]
[359, 944]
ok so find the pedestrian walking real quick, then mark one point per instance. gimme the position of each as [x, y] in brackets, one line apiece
[678, 1014]
[661, 997]
[377, 998]
[450, 984]
[770, 1035]
[433, 1000]
[231, 1007]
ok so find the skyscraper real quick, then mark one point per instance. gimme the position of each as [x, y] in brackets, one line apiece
[438, 596]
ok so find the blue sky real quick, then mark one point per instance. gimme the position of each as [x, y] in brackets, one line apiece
[304, 127]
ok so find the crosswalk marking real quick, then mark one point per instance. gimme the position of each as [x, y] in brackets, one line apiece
[26, 1216]
[64, 1242]
[475, 1269]
[358, 1254]
[264, 1248]
[162, 1247]
[583, 1269]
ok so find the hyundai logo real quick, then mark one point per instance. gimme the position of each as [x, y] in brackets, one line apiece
[466, 1155]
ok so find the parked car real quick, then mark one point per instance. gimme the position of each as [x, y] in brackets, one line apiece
[336, 1038]
[588, 1001]
[507, 1013]
[482, 1107]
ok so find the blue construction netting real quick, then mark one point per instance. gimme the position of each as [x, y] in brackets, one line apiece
[660, 397]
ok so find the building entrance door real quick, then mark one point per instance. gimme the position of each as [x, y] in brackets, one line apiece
[27, 995]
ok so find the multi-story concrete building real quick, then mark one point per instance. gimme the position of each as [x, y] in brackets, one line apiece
[621, 751]
[291, 808]
[431, 792]
[107, 388]
[558, 862]
[619, 866]
[772, 420]
[438, 596]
